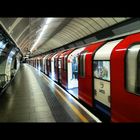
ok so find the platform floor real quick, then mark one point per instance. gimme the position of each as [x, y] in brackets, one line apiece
[33, 97]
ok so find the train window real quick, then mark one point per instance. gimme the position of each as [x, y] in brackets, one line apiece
[101, 69]
[133, 69]
[55, 62]
[59, 63]
[48, 62]
[65, 62]
[2, 45]
[82, 63]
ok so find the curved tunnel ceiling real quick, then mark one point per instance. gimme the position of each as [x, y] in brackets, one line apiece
[60, 31]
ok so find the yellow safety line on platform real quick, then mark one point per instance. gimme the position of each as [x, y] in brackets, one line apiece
[73, 108]
[77, 112]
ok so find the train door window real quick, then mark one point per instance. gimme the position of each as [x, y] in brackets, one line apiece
[55, 62]
[59, 69]
[48, 62]
[59, 63]
[75, 68]
[53, 66]
[133, 69]
[102, 70]
[36, 63]
[41, 65]
[50, 65]
[82, 63]
[46, 66]
[65, 62]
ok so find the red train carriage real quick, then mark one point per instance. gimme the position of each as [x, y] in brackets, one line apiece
[44, 63]
[85, 73]
[125, 80]
[108, 75]
[48, 64]
[57, 66]
[116, 79]
[114, 89]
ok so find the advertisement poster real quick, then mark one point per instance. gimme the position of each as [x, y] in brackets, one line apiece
[102, 70]
[102, 91]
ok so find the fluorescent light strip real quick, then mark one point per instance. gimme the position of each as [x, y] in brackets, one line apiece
[42, 32]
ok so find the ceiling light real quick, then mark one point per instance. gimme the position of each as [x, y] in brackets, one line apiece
[41, 34]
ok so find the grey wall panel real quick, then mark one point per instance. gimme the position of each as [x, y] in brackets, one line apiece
[127, 28]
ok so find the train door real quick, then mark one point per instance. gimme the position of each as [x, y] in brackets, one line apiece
[56, 66]
[59, 69]
[72, 71]
[55, 70]
[47, 64]
[41, 64]
[44, 64]
[52, 67]
[33, 62]
[43, 61]
[38, 64]
[101, 78]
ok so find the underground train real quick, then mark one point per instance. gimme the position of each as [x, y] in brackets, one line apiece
[104, 74]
